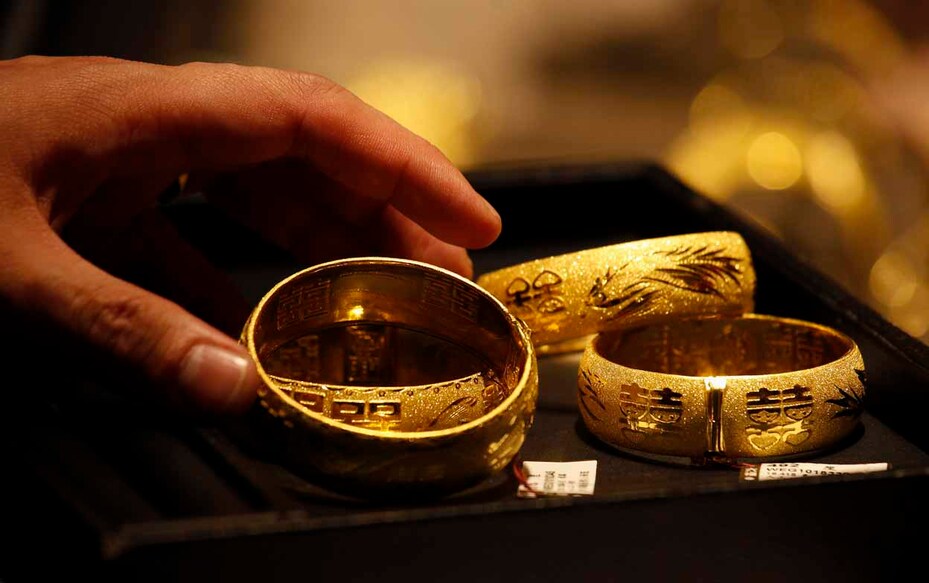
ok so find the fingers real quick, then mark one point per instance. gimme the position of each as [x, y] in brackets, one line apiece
[307, 213]
[150, 253]
[213, 117]
[137, 243]
[401, 237]
[72, 125]
[189, 364]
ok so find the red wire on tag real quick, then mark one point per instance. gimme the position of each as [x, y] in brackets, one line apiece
[521, 477]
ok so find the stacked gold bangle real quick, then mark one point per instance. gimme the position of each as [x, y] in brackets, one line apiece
[675, 364]
[388, 376]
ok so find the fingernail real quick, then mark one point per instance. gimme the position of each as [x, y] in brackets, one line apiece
[218, 379]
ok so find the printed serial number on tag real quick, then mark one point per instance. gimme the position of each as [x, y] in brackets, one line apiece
[785, 470]
[557, 478]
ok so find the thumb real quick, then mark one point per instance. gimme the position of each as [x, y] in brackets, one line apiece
[187, 362]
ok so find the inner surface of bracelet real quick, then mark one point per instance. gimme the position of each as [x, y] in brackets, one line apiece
[709, 347]
[373, 355]
[389, 346]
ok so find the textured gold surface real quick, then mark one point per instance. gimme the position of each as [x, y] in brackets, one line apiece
[355, 329]
[566, 297]
[755, 387]
[430, 407]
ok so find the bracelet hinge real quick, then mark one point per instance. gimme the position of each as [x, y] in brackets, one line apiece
[715, 389]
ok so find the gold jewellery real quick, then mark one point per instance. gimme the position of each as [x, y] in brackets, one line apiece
[722, 389]
[386, 375]
[565, 299]
[389, 377]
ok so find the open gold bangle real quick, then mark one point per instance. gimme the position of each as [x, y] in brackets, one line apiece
[722, 389]
[386, 376]
[564, 298]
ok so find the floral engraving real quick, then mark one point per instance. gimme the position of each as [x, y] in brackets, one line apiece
[699, 270]
[589, 395]
[457, 412]
[850, 403]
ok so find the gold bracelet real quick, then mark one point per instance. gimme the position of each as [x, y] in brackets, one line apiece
[386, 376]
[722, 389]
[567, 297]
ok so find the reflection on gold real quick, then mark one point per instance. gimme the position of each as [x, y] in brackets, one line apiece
[715, 383]
[774, 161]
[431, 98]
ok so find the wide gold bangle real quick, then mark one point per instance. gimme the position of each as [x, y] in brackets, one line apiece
[567, 297]
[386, 376]
[722, 389]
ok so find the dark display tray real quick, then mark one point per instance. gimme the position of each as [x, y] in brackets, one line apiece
[98, 484]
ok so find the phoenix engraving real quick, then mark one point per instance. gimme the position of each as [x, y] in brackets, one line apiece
[701, 270]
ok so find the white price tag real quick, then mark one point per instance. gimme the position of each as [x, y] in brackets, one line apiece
[783, 471]
[558, 479]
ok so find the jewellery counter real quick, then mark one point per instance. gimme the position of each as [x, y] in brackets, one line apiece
[95, 483]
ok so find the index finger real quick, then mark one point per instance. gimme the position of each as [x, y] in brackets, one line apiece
[134, 116]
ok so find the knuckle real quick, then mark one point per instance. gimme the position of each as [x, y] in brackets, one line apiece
[315, 85]
[222, 71]
[117, 325]
[299, 97]
[27, 61]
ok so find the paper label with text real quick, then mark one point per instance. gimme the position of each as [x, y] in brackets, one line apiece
[786, 470]
[558, 479]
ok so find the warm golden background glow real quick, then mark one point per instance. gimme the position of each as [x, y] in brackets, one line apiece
[812, 116]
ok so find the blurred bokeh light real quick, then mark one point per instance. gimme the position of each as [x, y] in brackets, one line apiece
[774, 107]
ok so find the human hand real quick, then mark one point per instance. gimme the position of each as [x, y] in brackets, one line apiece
[87, 146]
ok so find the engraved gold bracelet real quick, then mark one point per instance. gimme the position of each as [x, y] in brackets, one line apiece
[567, 298]
[722, 389]
[386, 376]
